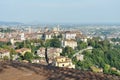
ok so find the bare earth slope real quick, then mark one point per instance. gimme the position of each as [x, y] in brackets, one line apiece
[25, 71]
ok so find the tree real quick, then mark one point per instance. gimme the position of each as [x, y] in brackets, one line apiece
[81, 45]
[19, 45]
[5, 58]
[28, 56]
[55, 43]
[91, 42]
[12, 52]
[106, 68]
[47, 43]
[68, 51]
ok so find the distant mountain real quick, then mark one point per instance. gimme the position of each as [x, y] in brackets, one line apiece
[9, 23]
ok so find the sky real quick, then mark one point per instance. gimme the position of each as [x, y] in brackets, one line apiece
[60, 11]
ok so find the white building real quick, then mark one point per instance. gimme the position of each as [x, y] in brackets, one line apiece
[22, 36]
[80, 57]
[41, 52]
[51, 52]
[47, 35]
[4, 53]
[70, 43]
[69, 35]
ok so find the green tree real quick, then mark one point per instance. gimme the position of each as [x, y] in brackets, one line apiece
[28, 56]
[12, 52]
[55, 43]
[81, 45]
[106, 68]
[5, 58]
[68, 51]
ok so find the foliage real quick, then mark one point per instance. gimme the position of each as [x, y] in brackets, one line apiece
[53, 43]
[106, 68]
[81, 45]
[28, 56]
[5, 58]
[104, 55]
[68, 51]
[115, 39]
[12, 52]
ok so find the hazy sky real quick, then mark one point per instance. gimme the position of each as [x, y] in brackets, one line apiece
[60, 11]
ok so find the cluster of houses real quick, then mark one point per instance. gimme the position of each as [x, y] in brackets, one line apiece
[53, 55]
[68, 38]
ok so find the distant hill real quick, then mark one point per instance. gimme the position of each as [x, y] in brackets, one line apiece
[9, 23]
[27, 71]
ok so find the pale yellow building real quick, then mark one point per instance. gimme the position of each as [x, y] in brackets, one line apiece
[63, 62]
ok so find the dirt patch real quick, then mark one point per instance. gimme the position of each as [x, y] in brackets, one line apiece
[24, 71]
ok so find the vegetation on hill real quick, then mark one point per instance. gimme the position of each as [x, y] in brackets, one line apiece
[104, 55]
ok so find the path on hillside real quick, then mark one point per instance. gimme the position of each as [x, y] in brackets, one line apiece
[88, 48]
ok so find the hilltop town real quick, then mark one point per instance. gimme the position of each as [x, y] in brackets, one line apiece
[59, 47]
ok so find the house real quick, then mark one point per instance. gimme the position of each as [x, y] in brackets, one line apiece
[84, 40]
[22, 36]
[39, 35]
[22, 51]
[70, 43]
[4, 40]
[4, 53]
[69, 35]
[81, 37]
[51, 52]
[41, 52]
[39, 61]
[31, 36]
[35, 61]
[15, 57]
[63, 62]
[47, 35]
[80, 57]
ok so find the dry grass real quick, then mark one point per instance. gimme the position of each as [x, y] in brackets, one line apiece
[25, 71]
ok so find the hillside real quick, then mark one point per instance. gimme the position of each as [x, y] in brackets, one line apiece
[25, 71]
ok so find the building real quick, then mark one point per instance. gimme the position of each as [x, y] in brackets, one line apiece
[47, 35]
[22, 36]
[41, 52]
[22, 51]
[4, 53]
[70, 43]
[51, 52]
[69, 35]
[80, 57]
[63, 62]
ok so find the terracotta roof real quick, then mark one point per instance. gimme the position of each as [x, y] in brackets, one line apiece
[22, 49]
[4, 40]
[3, 51]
